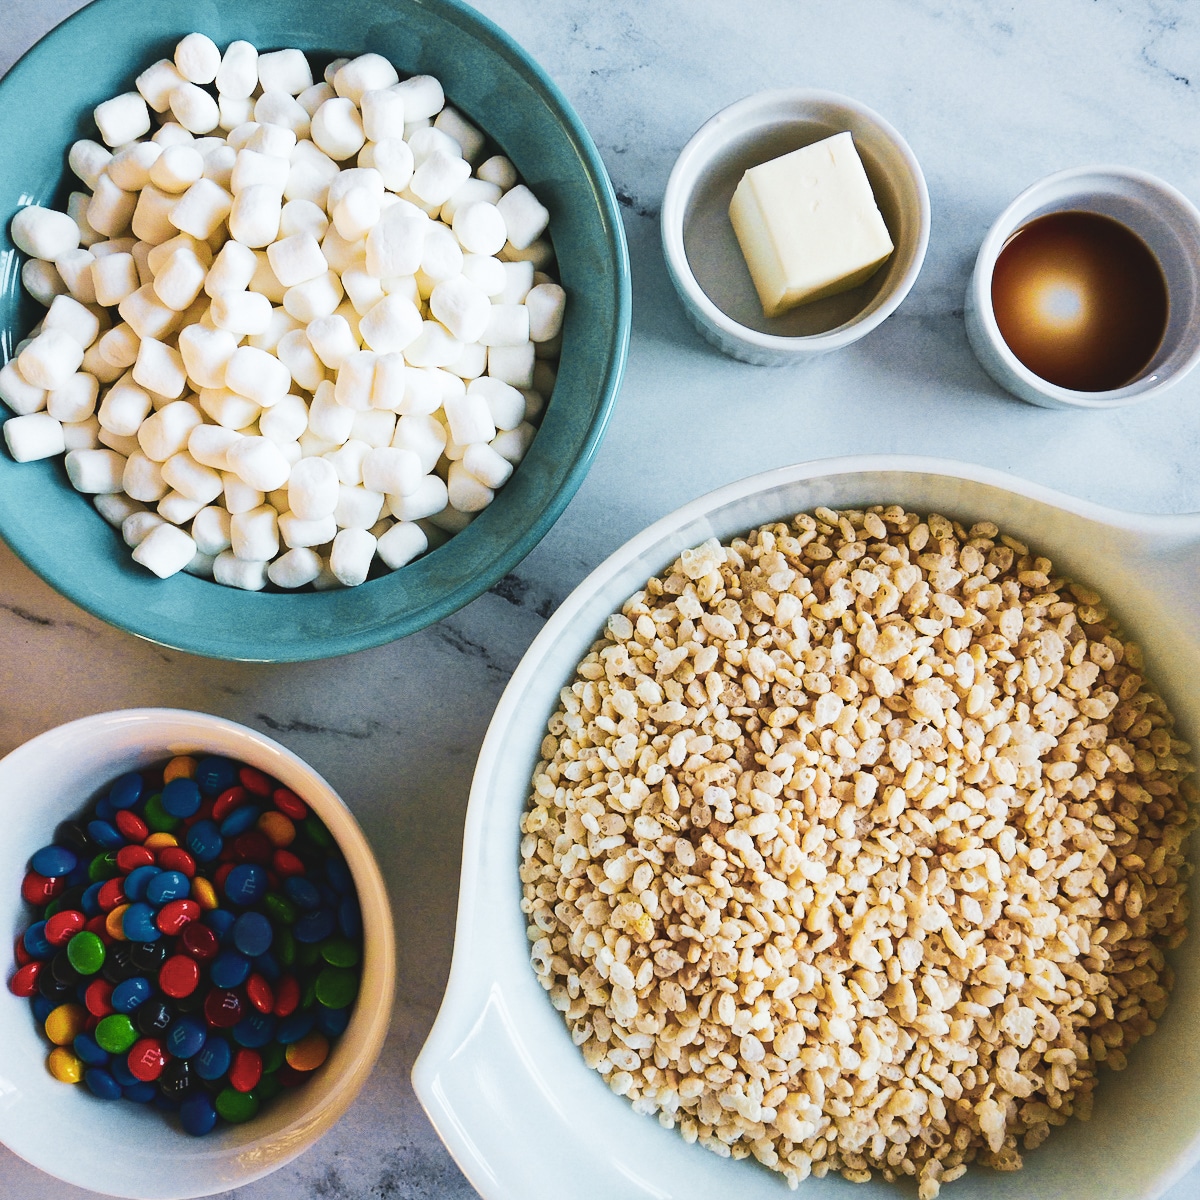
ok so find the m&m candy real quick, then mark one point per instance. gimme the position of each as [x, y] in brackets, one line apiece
[195, 944]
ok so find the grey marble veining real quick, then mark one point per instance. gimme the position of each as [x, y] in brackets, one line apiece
[990, 97]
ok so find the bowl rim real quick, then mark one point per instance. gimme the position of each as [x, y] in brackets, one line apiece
[680, 185]
[161, 726]
[1017, 213]
[396, 622]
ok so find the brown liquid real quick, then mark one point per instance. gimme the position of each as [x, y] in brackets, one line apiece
[1081, 300]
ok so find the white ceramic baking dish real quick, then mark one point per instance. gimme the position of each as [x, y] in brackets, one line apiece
[503, 1084]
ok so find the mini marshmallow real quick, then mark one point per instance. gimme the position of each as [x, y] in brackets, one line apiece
[296, 353]
[539, 252]
[114, 277]
[313, 97]
[356, 213]
[237, 76]
[159, 368]
[424, 435]
[77, 206]
[254, 216]
[466, 493]
[435, 347]
[427, 498]
[469, 419]
[156, 83]
[232, 269]
[286, 421]
[401, 544]
[284, 71]
[315, 298]
[374, 427]
[254, 535]
[505, 403]
[176, 169]
[89, 471]
[518, 280]
[71, 317]
[313, 489]
[366, 73]
[124, 407]
[424, 142]
[114, 507]
[337, 128]
[168, 431]
[88, 160]
[390, 382]
[340, 254]
[423, 97]
[353, 550]
[75, 400]
[508, 325]
[512, 364]
[333, 340]
[210, 530]
[275, 141]
[165, 551]
[354, 178]
[194, 108]
[209, 445]
[130, 166]
[535, 402]
[241, 313]
[197, 58]
[34, 436]
[390, 469]
[119, 346]
[146, 315]
[486, 465]
[498, 170]
[142, 478]
[192, 479]
[327, 419]
[363, 290]
[122, 119]
[393, 159]
[124, 446]
[302, 216]
[232, 571]
[239, 497]
[512, 444]
[42, 281]
[179, 282]
[280, 323]
[136, 526]
[259, 463]
[441, 255]
[525, 217]
[394, 246]
[278, 108]
[264, 282]
[462, 307]
[470, 191]
[43, 233]
[171, 133]
[219, 164]
[297, 259]
[298, 533]
[295, 568]
[152, 216]
[308, 178]
[253, 168]
[470, 140]
[545, 304]
[227, 408]
[201, 209]
[391, 324]
[355, 377]
[257, 375]
[50, 359]
[357, 507]
[94, 363]
[436, 179]
[382, 114]
[111, 209]
[480, 228]
[206, 352]
[233, 111]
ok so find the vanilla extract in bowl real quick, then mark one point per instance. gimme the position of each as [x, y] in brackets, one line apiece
[1081, 300]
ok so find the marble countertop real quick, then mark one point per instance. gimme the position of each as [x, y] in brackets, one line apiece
[990, 97]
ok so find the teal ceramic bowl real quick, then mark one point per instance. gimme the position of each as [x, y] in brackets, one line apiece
[46, 102]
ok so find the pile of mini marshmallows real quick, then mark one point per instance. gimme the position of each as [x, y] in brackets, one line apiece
[277, 351]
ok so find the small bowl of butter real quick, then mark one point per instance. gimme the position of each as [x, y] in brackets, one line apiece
[793, 223]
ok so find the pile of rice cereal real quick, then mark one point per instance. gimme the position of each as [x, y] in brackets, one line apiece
[856, 845]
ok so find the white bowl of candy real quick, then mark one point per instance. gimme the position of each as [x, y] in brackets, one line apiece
[304, 317]
[130, 1149]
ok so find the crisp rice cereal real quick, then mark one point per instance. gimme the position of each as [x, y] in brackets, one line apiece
[857, 845]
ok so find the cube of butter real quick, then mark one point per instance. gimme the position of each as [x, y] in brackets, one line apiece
[808, 224]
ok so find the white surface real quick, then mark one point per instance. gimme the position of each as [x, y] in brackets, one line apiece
[991, 98]
[500, 1075]
[130, 1150]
